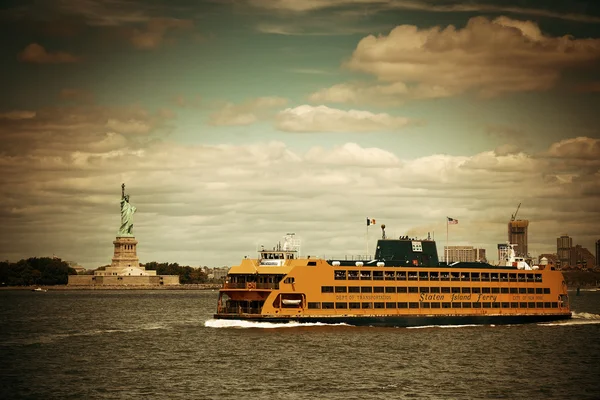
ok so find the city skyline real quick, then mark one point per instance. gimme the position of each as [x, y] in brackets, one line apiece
[235, 122]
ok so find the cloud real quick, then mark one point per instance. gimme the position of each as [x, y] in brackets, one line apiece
[247, 112]
[576, 148]
[76, 95]
[34, 53]
[485, 57]
[131, 126]
[307, 118]
[18, 114]
[156, 31]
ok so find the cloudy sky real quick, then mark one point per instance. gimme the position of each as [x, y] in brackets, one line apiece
[235, 122]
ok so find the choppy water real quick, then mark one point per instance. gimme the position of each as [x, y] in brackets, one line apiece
[164, 344]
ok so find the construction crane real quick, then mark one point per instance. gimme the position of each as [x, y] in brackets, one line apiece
[512, 218]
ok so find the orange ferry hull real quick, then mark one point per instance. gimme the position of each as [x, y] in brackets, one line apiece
[405, 321]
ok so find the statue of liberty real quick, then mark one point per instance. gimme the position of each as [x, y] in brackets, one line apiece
[127, 211]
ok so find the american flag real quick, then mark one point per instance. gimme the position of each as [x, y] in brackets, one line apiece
[452, 221]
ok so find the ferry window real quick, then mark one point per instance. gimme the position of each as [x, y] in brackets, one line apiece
[465, 276]
[504, 277]
[435, 304]
[378, 275]
[521, 278]
[539, 304]
[514, 290]
[522, 290]
[378, 305]
[378, 289]
[531, 304]
[539, 290]
[554, 304]
[466, 305]
[340, 289]
[495, 277]
[423, 289]
[529, 277]
[485, 277]
[401, 275]
[390, 275]
[353, 289]
[413, 304]
[514, 305]
[546, 304]
[354, 305]
[412, 275]
[352, 275]
[340, 306]
[425, 305]
[522, 305]
[423, 276]
[546, 290]
[446, 305]
[538, 277]
[496, 290]
[445, 289]
[485, 290]
[365, 275]
[512, 277]
[445, 276]
[326, 289]
[476, 305]
[435, 289]
[367, 305]
[476, 290]
[466, 290]
[311, 263]
[487, 304]
[475, 276]
[390, 304]
[413, 289]
[289, 280]
[402, 289]
[390, 289]
[327, 305]
[434, 276]
[455, 305]
[366, 289]
[455, 289]
[504, 290]
[314, 305]
[402, 305]
[495, 305]
[340, 275]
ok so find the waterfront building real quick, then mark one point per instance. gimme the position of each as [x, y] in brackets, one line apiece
[464, 254]
[598, 253]
[581, 258]
[517, 234]
[551, 260]
[563, 249]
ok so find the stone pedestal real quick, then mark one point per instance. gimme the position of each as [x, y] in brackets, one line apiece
[125, 253]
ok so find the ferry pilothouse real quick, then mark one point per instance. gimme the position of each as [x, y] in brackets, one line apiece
[404, 284]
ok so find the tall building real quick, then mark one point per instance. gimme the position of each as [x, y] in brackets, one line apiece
[563, 249]
[598, 253]
[517, 234]
[464, 254]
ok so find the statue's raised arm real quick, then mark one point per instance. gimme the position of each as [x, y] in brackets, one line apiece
[127, 211]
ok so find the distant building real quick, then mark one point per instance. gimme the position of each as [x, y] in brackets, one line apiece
[517, 234]
[598, 253]
[464, 254]
[78, 268]
[563, 249]
[581, 258]
[551, 259]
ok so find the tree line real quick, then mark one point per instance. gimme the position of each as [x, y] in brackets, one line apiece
[187, 275]
[35, 271]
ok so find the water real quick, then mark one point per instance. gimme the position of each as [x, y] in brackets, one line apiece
[164, 344]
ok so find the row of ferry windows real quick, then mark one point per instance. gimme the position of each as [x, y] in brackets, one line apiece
[436, 289]
[394, 305]
[437, 276]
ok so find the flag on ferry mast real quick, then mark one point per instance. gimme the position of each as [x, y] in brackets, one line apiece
[370, 221]
[452, 221]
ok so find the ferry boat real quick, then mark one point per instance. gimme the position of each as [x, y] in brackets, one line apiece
[403, 285]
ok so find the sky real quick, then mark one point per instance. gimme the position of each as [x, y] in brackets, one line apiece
[235, 122]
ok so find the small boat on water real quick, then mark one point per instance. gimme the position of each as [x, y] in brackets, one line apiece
[39, 289]
[404, 284]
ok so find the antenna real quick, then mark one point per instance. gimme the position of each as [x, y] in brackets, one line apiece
[512, 218]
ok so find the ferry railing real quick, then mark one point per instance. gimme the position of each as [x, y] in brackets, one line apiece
[240, 310]
[250, 285]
